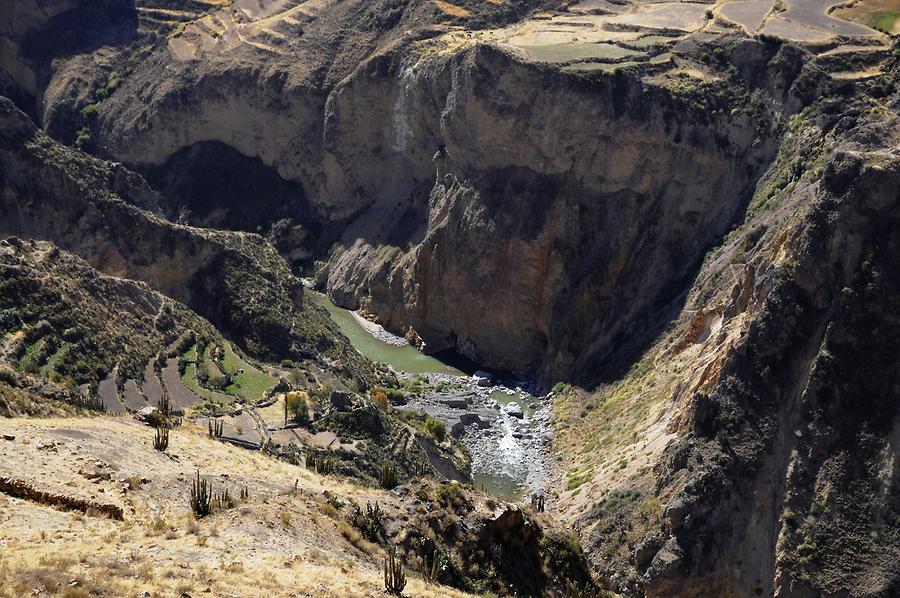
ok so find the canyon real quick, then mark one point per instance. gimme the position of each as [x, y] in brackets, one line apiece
[676, 221]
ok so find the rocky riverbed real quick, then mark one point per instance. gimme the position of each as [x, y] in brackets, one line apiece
[502, 424]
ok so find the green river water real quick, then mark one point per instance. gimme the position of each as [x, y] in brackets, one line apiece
[403, 359]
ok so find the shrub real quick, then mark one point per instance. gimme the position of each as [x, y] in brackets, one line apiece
[436, 428]
[450, 495]
[355, 537]
[89, 111]
[790, 518]
[295, 407]
[83, 138]
[381, 399]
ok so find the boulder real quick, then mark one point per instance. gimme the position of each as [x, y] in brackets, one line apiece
[342, 401]
[481, 378]
[145, 414]
[455, 403]
[468, 419]
[514, 410]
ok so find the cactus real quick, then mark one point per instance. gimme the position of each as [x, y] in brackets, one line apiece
[369, 523]
[201, 497]
[537, 502]
[388, 476]
[163, 405]
[245, 494]
[161, 442]
[214, 428]
[430, 574]
[394, 577]
[318, 462]
[223, 500]
[324, 465]
[421, 468]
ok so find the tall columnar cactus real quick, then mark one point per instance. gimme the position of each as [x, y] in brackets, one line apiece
[223, 500]
[161, 442]
[394, 577]
[388, 476]
[430, 572]
[215, 428]
[201, 497]
[421, 468]
[318, 462]
[163, 405]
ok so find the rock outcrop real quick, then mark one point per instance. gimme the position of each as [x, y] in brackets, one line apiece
[416, 165]
[793, 449]
[762, 451]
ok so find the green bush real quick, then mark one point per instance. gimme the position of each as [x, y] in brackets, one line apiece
[83, 138]
[295, 407]
[436, 428]
[89, 111]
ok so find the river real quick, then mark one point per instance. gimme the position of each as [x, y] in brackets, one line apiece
[507, 443]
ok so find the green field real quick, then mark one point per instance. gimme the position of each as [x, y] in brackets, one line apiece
[577, 51]
[189, 378]
[589, 67]
[190, 381]
[251, 383]
[648, 41]
[885, 21]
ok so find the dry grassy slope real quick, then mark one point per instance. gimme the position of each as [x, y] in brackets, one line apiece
[294, 536]
[277, 543]
[751, 449]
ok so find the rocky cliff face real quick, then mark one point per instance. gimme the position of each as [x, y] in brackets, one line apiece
[410, 159]
[421, 154]
[753, 446]
[548, 212]
[793, 449]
